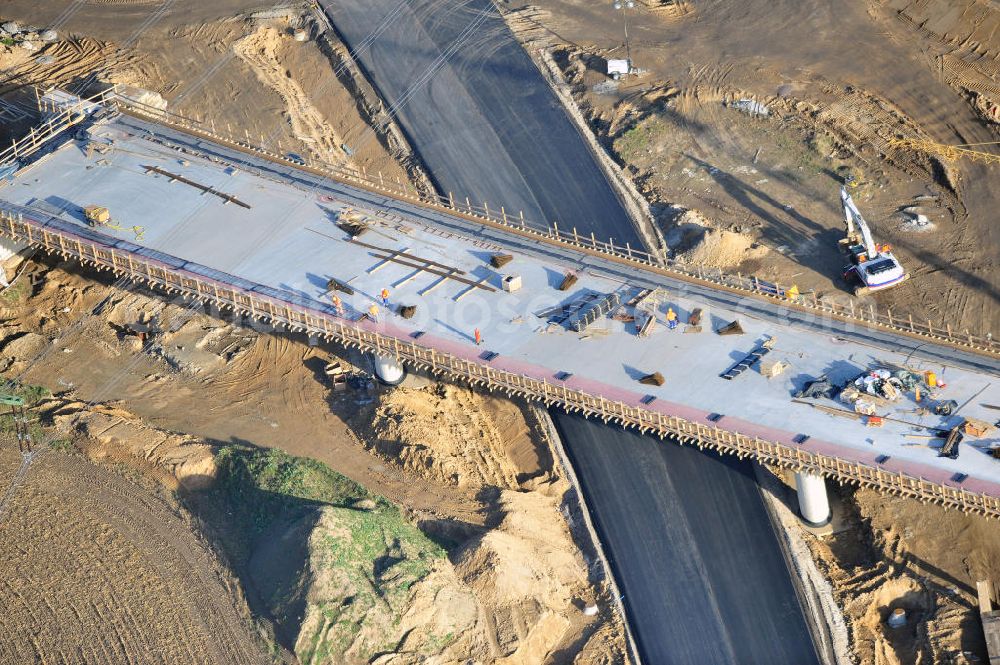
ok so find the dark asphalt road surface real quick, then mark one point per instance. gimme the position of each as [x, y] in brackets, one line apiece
[694, 555]
[704, 579]
[475, 107]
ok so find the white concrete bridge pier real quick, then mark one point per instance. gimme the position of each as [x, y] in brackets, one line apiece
[389, 369]
[8, 250]
[814, 506]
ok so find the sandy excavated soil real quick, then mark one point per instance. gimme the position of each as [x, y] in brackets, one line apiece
[469, 469]
[97, 567]
[112, 435]
[915, 69]
[759, 195]
[73, 59]
[468, 448]
[241, 75]
[893, 553]
[746, 193]
[486, 603]
[260, 50]
[502, 597]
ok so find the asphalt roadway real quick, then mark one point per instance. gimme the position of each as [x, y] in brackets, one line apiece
[687, 533]
[482, 118]
[704, 579]
[688, 539]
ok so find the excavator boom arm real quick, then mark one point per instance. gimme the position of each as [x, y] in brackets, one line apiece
[853, 218]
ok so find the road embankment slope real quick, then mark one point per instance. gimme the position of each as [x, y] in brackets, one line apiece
[478, 112]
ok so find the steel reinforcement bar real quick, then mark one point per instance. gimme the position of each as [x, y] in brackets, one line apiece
[299, 318]
[865, 314]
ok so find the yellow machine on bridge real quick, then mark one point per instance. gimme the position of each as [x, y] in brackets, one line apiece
[100, 216]
[97, 216]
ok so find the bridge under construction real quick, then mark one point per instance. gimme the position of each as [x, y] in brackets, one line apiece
[483, 296]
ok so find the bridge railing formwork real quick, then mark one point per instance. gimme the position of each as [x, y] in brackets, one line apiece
[866, 314]
[351, 334]
[62, 116]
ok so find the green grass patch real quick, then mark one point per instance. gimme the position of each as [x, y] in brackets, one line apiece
[260, 485]
[17, 291]
[31, 394]
[634, 143]
[62, 445]
[36, 433]
[437, 642]
[373, 557]
[376, 557]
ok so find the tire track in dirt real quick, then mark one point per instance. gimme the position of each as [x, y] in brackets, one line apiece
[74, 59]
[189, 561]
[486, 457]
[137, 584]
[130, 635]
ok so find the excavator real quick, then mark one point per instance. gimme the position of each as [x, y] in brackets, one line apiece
[873, 266]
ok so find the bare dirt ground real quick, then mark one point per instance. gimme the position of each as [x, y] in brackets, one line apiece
[72, 58]
[894, 553]
[764, 189]
[397, 428]
[747, 193]
[471, 471]
[241, 74]
[759, 195]
[98, 567]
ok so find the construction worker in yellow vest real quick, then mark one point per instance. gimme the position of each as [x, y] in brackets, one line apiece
[792, 293]
[373, 312]
[671, 318]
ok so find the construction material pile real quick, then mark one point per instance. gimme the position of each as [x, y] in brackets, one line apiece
[878, 387]
[816, 388]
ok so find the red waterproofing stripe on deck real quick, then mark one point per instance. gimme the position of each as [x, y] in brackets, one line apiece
[471, 352]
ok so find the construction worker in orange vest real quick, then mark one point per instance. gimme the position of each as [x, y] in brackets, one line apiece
[478, 336]
[671, 318]
[338, 306]
[385, 298]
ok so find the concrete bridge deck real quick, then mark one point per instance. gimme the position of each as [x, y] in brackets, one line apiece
[283, 244]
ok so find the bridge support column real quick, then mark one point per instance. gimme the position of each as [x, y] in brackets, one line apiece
[814, 506]
[388, 369]
[8, 250]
